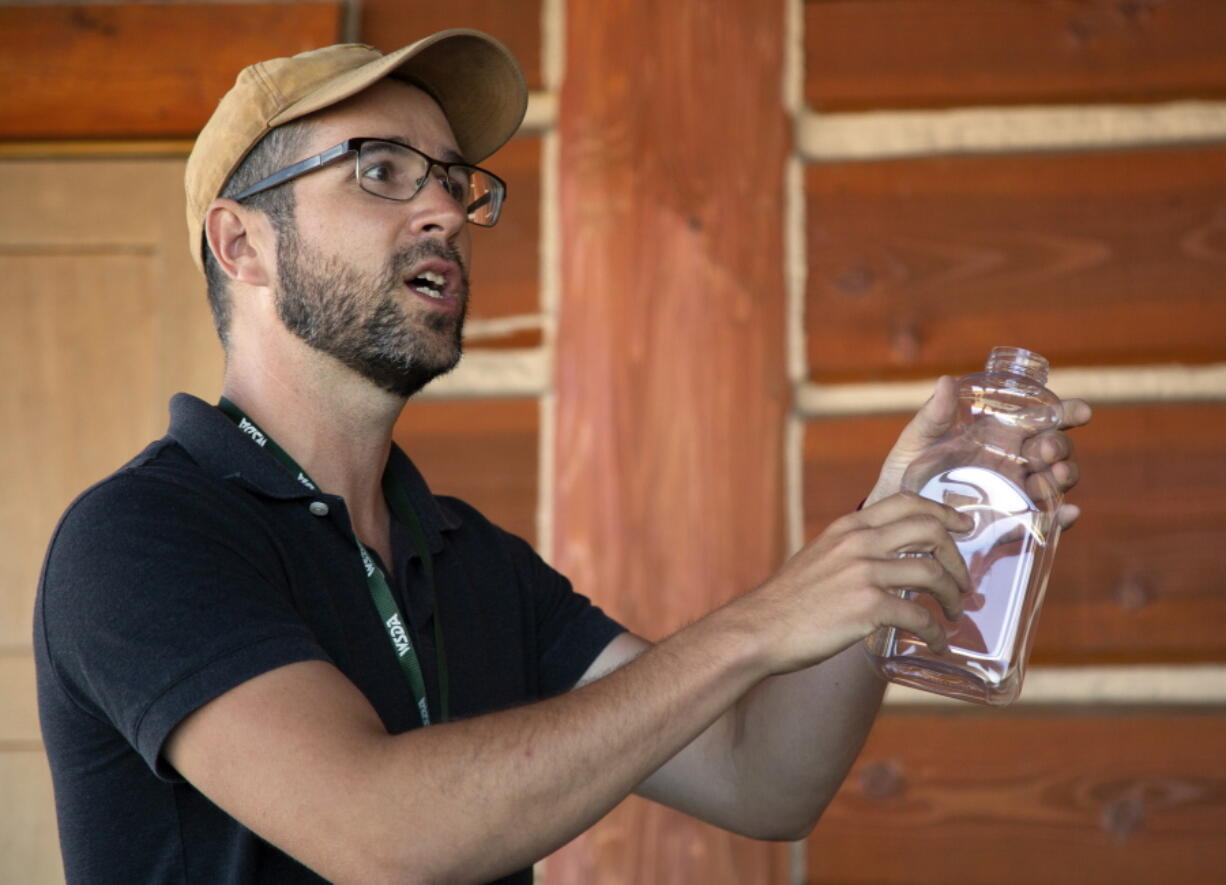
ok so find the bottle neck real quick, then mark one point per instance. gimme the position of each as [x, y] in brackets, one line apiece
[1017, 361]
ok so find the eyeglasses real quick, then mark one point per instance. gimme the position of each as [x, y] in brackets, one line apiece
[395, 171]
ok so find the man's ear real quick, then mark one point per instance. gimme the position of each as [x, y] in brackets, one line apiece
[242, 240]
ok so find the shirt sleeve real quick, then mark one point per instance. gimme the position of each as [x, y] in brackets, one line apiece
[158, 596]
[571, 630]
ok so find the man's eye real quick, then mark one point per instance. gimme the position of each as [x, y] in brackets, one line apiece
[379, 172]
[459, 180]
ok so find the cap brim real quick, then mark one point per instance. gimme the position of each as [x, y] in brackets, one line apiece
[473, 77]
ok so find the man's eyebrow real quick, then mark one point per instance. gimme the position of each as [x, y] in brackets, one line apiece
[448, 155]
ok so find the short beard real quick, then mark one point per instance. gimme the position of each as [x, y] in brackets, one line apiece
[357, 318]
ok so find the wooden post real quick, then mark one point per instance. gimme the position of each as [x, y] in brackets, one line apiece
[670, 357]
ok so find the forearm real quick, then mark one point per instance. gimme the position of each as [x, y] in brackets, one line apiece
[520, 783]
[799, 735]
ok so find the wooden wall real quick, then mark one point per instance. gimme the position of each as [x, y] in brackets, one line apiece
[739, 247]
[982, 173]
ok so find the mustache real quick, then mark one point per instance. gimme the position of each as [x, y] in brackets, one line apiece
[406, 259]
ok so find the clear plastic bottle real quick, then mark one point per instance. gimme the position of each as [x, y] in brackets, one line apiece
[979, 469]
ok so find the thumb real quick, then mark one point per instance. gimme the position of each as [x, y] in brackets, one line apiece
[930, 423]
[934, 418]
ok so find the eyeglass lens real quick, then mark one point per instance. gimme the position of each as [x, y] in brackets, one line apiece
[396, 172]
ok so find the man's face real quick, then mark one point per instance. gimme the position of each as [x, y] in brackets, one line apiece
[350, 270]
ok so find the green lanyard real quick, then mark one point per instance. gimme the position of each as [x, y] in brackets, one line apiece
[376, 583]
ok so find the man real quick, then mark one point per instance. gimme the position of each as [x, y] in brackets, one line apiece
[242, 634]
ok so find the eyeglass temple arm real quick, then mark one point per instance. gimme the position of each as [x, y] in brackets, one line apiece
[299, 168]
[482, 200]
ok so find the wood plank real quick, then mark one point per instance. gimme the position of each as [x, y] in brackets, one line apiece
[131, 70]
[1139, 578]
[77, 341]
[390, 24]
[102, 319]
[1081, 798]
[29, 843]
[671, 386]
[484, 451]
[938, 53]
[505, 272]
[18, 701]
[920, 266]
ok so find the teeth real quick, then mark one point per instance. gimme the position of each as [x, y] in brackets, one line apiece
[429, 283]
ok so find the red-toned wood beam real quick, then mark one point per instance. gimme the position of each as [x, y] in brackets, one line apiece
[139, 70]
[670, 370]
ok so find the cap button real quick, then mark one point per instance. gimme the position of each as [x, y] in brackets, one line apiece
[318, 508]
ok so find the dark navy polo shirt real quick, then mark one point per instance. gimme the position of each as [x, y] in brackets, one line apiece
[201, 564]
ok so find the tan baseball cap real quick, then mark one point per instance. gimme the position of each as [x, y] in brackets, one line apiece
[475, 80]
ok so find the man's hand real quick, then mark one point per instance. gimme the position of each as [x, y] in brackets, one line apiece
[772, 763]
[934, 419]
[837, 590]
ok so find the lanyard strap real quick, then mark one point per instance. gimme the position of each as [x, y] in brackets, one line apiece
[385, 603]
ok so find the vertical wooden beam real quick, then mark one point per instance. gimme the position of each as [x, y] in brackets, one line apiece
[671, 384]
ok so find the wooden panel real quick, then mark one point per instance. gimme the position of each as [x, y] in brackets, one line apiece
[29, 843]
[1023, 798]
[484, 451]
[390, 24]
[18, 701]
[78, 343]
[102, 318]
[505, 270]
[93, 71]
[671, 389]
[1139, 578]
[918, 267]
[931, 53]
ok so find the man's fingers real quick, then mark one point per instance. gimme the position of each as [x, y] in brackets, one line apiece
[921, 536]
[922, 574]
[1067, 515]
[914, 618]
[1067, 474]
[904, 504]
[1049, 447]
[1076, 412]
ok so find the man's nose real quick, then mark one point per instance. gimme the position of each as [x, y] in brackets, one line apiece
[434, 209]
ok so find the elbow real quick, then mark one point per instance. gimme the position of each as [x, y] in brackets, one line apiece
[774, 827]
[782, 824]
[784, 831]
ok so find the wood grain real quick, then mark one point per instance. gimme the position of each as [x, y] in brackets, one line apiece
[102, 317]
[505, 273]
[139, 70]
[935, 53]
[484, 451]
[1064, 798]
[918, 267]
[19, 723]
[390, 24]
[671, 390]
[29, 843]
[1139, 578]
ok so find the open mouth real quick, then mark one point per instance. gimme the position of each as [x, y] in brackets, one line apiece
[430, 284]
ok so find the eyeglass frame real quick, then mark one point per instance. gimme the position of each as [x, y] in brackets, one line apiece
[354, 146]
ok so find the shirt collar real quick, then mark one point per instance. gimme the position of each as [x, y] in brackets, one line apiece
[219, 447]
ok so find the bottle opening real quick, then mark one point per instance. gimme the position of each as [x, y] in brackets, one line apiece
[1018, 361]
